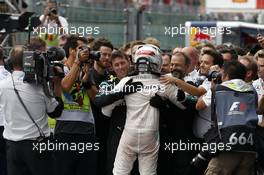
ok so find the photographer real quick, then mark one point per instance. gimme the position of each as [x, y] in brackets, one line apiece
[3, 75]
[97, 74]
[52, 25]
[76, 124]
[25, 109]
[234, 119]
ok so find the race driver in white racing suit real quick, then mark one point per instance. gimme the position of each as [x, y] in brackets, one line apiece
[140, 138]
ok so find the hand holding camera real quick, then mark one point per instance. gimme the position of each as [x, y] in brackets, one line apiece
[215, 75]
[83, 54]
[53, 12]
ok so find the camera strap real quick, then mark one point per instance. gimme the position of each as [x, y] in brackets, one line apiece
[214, 119]
[42, 135]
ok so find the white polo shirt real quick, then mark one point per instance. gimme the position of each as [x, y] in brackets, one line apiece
[3, 75]
[259, 87]
[202, 121]
[17, 123]
[51, 25]
[192, 76]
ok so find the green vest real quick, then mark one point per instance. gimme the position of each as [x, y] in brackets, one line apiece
[76, 99]
[50, 39]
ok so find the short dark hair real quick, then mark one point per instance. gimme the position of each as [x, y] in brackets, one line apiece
[83, 39]
[239, 51]
[218, 58]
[102, 42]
[252, 65]
[53, 2]
[187, 60]
[232, 52]
[210, 45]
[70, 43]
[16, 56]
[234, 69]
[118, 54]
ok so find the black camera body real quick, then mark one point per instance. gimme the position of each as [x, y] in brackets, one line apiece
[52, 11]
[215, 76]
[40, 68]
[95, 55]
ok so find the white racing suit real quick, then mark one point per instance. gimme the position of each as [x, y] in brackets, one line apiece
[140, 138]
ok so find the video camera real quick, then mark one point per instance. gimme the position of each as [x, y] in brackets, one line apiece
[18, 22]
[40, 68]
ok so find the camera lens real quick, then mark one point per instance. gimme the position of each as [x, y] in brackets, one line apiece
[95, 55]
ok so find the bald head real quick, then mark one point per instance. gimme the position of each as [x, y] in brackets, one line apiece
[193, 54]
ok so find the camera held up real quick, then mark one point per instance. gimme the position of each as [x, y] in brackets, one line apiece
[52, 11]
[215, 76]
[94, 55]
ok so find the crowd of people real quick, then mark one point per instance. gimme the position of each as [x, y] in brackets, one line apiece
[133, 105]
[133, 110]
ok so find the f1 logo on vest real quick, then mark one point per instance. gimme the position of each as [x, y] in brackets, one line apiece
[237, 108]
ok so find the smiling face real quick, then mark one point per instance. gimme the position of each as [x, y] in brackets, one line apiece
[206, 62]
[178, 64]
[120, 66]
[105, 56]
